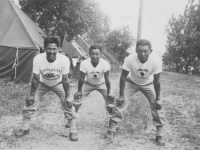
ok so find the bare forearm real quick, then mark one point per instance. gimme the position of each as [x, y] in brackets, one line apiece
[108, 86]
[66, 87]
[34, 85]
[80, 84]
[122, 85]
[157, 88]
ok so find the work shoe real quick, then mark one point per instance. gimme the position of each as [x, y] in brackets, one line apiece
[73, 136]
[21, 132]
[159, 141]
[67, 125]
[110, 135]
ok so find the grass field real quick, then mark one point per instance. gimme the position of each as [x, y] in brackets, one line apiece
[181, 100]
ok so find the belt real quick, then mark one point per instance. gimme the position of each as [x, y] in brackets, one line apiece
[129, 80]
[50, 86]
[95, 85]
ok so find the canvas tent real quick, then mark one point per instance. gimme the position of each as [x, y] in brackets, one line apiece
[85, 46]
[73, 49]
[82, 43]
[20, 39]
[110, 57]
[115, 64]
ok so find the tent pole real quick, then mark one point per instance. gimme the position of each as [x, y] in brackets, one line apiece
[140, 17]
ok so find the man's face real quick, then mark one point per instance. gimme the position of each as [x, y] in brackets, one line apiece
[95, 55]
[143, 53]
[51, 50]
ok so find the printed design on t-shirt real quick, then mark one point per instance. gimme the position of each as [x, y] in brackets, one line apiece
[95, 75]
[51, 74]
[142, 73]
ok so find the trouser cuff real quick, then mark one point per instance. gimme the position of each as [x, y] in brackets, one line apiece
[26, 124]
[72, 128]
[112, 126]
[159, 131]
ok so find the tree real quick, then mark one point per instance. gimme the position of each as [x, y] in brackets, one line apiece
[118, 41]
[97, 34]
[183, 37]
[175, 36]
[66, 17]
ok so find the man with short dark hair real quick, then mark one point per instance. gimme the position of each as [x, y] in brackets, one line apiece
[141, 72]
[94, 75]
[50, 73]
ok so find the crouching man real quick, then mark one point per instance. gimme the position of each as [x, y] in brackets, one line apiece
[141, 72]
[50, 71]
[94, 75]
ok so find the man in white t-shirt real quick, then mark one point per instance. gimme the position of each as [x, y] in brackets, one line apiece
[50, 73]
[190, 70]
[141, 72]
[94, 75]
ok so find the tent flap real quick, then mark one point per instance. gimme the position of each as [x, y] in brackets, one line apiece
[17, 31]
[73, 49]
[24, 68]
[83, 44]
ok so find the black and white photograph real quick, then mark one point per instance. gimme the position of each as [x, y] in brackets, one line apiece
[99, 74]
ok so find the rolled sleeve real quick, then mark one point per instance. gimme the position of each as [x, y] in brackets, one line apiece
[158, 67]
[107, 67]
[126, 65]
[66, 66]
[36, 68]
[82, 67]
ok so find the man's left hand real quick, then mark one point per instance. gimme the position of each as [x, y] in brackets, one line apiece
[111, 97]
[158, 104]
[30, 100]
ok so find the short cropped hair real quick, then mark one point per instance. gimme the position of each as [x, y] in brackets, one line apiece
[94, 47]
[143, 42]
[51, 40]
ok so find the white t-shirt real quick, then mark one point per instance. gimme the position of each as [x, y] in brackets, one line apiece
[51, 73]
[142, 73]
[94, 75]
[192, 68]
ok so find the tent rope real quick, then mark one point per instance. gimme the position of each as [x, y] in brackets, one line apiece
[16, 63]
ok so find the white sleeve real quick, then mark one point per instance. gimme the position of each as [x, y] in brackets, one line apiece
[66, 65]
[107, 66]
[158, 67]
[36, 68]
[82, 67]
[126, 64]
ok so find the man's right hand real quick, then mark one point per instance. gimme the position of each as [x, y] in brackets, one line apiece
[68, 103]
[30, 100]
[120, 100]
[78, 95]
[158, 105]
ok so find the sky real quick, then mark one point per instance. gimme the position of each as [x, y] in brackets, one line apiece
[156, 14]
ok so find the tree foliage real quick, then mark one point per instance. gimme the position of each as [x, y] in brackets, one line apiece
[64, 17]
[183, 36]
[118, 41]
[97, 35]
